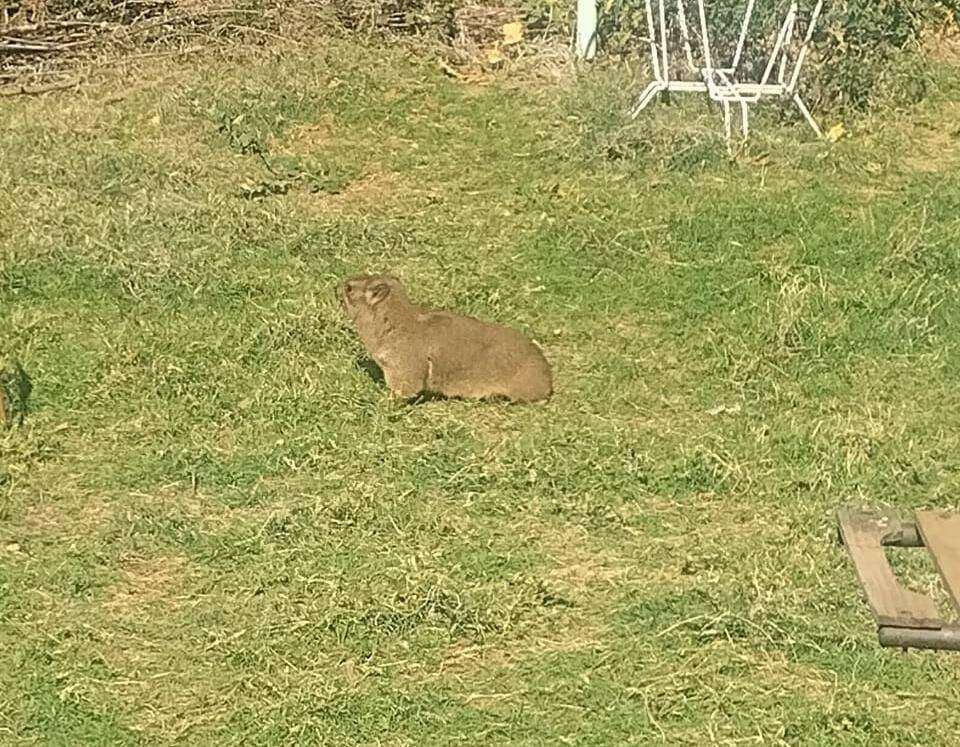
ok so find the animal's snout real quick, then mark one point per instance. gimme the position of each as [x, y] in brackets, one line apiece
[342, 293]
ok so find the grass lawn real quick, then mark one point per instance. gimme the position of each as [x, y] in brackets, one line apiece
[216, 528]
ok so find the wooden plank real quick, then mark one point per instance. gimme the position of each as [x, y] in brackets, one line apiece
[894, 531]
[891, 603]
[941, 534]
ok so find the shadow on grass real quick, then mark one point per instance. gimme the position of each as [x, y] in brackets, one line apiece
[371, 369]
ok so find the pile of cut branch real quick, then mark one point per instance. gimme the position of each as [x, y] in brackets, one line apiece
[46, 44]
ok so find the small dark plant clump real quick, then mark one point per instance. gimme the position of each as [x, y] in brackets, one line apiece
[15, 388]
[283, 173]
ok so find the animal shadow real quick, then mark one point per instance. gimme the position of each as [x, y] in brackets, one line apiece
[371, 369]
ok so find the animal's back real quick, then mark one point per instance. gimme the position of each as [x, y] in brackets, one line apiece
[473, 358]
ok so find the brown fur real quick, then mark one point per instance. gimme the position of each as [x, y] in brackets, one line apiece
[422, 351]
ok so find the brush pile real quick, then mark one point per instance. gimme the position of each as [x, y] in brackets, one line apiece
[43, 43]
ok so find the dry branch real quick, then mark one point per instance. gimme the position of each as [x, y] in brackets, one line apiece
[74, 34]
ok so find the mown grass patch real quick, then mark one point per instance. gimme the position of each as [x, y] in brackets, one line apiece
[215, 527]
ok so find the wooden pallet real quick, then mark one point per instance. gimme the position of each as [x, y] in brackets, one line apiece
[905, 619]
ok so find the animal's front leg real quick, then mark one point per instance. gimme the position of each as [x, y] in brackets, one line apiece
[405, 382]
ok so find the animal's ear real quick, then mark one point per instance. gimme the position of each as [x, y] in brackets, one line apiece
[377, 292]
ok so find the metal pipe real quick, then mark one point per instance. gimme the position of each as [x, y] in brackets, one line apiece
[810, 121]
[654, 55]
[685, 35]
[663, 39]
[647, 96]
[727, 125]
[787, 24]
[745, 89]
[781, 72]
[805, 46]
[945, 639]
[904, 535]
[743, 38]
[705, 38]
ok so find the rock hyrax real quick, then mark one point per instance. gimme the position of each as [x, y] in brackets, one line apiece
[423, 351]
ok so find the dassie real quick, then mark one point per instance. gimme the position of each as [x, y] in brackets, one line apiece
[424, 351]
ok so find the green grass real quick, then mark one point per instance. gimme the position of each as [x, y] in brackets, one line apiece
[216, 528]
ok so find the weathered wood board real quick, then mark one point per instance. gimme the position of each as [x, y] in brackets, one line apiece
[891, 603]
[941, 534]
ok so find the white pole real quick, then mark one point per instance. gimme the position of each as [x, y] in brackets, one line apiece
[705, 38]
[778, 46]
[663, 40]
[803, 49]
[654, 54]
[685, 35]
[743, 37]
[586, 29]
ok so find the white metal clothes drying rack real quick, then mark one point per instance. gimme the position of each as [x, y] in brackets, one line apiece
[725, 84]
